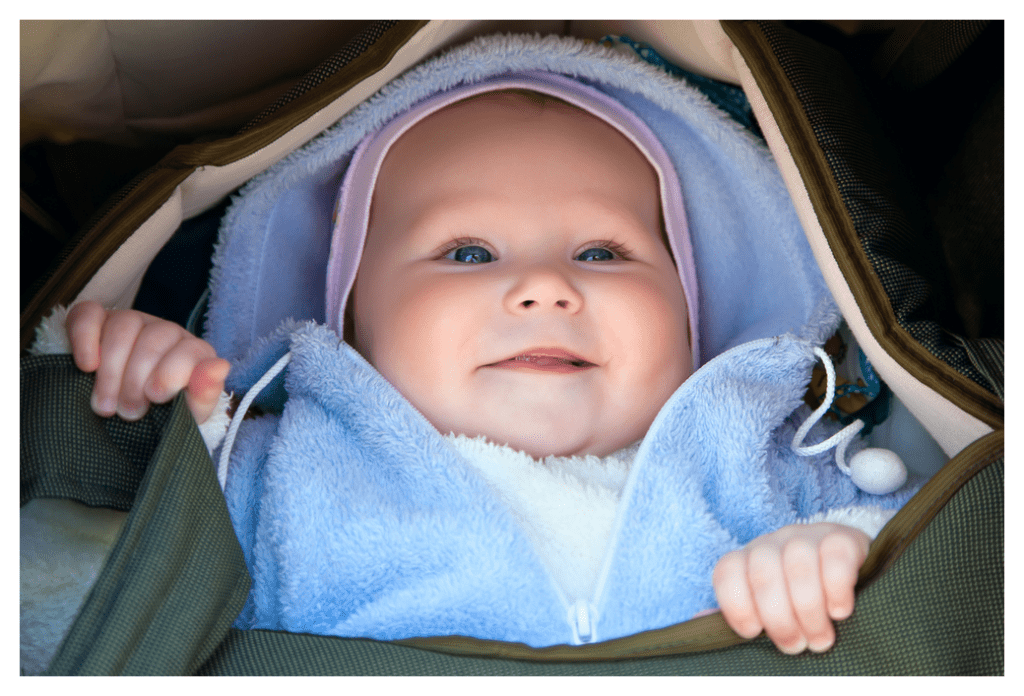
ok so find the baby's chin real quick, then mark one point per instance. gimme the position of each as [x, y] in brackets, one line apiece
[541, 445]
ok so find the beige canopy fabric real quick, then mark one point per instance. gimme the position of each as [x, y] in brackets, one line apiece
[136, 81]
[131, 82]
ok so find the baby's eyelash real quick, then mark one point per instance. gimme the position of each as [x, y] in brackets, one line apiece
[454, 244]
[619, 249]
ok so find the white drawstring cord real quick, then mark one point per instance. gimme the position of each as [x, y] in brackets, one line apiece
[893, 472]
[841, 439]
[236, 420]
[873, 470]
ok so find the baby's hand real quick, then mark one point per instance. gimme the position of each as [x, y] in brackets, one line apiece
[140, 359]
[792, 583]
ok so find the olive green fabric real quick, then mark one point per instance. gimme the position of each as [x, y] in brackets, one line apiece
[176, 578]
[69, 452]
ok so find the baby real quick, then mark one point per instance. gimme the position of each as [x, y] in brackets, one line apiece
[516, 284]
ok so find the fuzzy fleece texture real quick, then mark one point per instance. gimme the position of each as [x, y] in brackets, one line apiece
[63, 546]
[566, 506]
[756, 275]
[357, 518]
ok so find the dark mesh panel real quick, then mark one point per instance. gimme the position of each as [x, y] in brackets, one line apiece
[880, 199]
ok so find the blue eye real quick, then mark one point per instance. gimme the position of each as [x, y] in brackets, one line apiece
[470, 254]
[596, 254]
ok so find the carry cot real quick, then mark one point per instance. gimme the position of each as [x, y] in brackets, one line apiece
[908, 236]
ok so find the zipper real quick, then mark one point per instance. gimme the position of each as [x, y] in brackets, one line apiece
[582, 621]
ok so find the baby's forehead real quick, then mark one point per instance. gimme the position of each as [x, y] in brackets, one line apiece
[509, 130]
[494, 114]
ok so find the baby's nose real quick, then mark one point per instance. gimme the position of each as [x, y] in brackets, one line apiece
[544, 289]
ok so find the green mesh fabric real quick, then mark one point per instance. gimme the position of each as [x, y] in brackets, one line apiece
[352, 49]
[176, 578]
[69, 452]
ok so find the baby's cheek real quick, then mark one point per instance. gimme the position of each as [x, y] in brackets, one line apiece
[656, 316]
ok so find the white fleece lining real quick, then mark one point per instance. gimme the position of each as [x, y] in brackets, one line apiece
[868, 519]
[565, 505]
[51, 334]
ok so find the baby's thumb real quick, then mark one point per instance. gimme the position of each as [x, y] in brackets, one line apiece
[205, 386]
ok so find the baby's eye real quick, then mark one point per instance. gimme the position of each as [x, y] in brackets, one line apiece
[470, 253]
[597, 254]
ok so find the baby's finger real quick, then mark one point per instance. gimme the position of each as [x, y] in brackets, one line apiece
[771, 597]
[803, 576]
[116, 342]
[156, 339]
[732, 591]
[205, 387]
[84, 324]
[841, 557]
[176, 366]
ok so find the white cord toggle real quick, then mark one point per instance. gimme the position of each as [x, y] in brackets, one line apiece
[236, 420]
[873, 470]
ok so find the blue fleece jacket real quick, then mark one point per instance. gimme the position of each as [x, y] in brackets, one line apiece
[357, 518]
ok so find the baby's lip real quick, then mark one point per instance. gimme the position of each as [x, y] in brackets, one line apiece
[556, 359]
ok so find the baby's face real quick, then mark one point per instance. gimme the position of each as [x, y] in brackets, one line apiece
[514, 283]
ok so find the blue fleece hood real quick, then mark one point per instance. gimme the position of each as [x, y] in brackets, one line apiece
[357, 518]
[755, 271]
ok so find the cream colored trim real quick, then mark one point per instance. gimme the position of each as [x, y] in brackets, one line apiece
[117, 282]
[205, 187]
[682, 42]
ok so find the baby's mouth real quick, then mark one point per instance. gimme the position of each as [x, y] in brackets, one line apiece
[545, 360]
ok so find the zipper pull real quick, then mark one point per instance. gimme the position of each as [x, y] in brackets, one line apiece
[579, 616]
